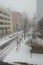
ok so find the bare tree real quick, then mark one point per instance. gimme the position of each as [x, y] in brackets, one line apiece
[40, 26]
[25, 26]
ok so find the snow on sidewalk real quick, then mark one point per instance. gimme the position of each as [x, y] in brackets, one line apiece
[22, 55]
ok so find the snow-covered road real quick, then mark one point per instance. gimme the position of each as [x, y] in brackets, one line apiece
[23, 55]
[10, 37]
[11, 43]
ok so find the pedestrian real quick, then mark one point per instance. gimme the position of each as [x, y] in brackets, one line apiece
[18, 44]
[31, 52]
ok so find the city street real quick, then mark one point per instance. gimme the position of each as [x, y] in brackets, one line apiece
[23, 54]
[8, 44]
[21, 32]
[12, 53]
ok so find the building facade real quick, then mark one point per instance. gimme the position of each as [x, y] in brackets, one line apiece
[39, 9]
[5, 21]
[17, 20]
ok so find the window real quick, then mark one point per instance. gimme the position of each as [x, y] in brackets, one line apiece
[8, 27]
[1, 28]
[8, 23]
[1, 23]
[1, 17]
[4, 13]
[8, 19]
[5, 23]
[4, 18]
[1, 12]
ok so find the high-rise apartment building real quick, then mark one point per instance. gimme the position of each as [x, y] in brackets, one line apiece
[5, 21]
[39, 9]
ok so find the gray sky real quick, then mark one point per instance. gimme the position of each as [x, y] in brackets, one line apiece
[29, 6]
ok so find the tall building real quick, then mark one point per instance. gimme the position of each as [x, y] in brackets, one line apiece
[39, 9]
[5, 21]
[17, 20]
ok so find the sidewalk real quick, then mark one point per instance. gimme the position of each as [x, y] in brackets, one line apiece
[23, 55]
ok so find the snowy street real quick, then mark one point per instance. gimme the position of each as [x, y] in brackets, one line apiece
[10, 37]
[10, 54]
[23, 55]
[8, 44]
[21, 32]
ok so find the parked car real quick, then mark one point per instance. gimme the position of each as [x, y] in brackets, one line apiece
[37, 39]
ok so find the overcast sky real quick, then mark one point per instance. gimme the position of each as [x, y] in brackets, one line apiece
[28, 6]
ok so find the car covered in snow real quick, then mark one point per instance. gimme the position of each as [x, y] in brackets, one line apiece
[37, 39]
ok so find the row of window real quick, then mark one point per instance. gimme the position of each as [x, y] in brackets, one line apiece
[1, 23]
[4, 13]
[7, 28]
[4, 18]
[1, 28]
[7, 23]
